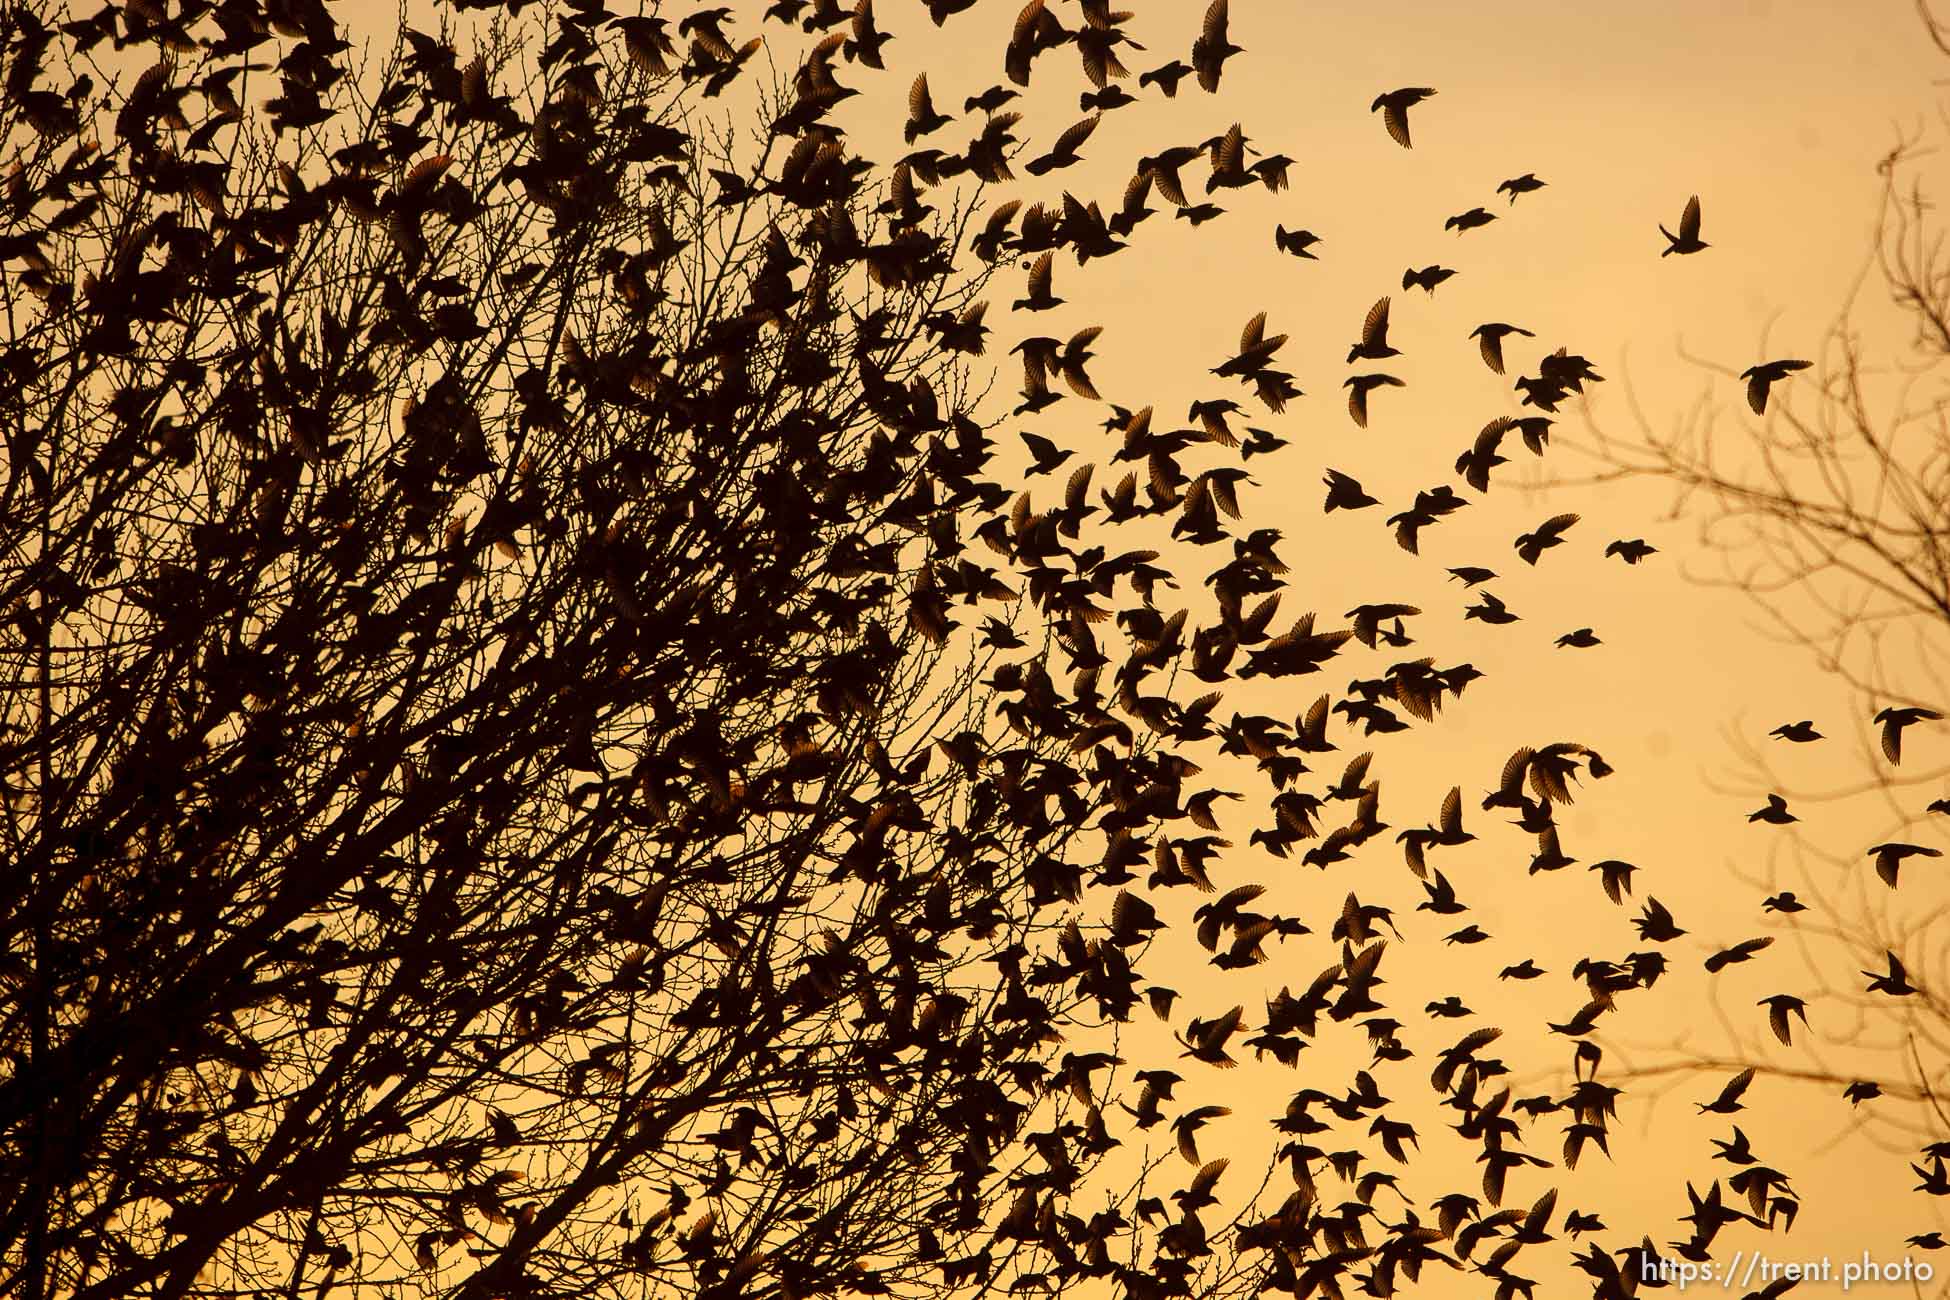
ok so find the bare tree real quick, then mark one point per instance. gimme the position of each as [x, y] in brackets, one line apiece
[493, 807]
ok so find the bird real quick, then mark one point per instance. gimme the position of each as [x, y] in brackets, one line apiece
[1687, 240]
[1166, 78]
[1046, 453]
[1764, 376]
[1630, 549]
[1359, 386]
[1425, 279]
[1492, 335]
[1469, 220]
[1205, 1040]
[1895, 982]
[1894, 720]
[1345, 493]
[1475, 464]
[1889, 858]
[1296, 242]
[1064, 152]
[1490, 610]
[1779, 1007]
[1039, 297]
[1524, 184]
[1729, 1099]
[1784, 902]
[1373, 343]
[1582, 639]
[1616, 877]
[1212, 48]
[1393, 107]
[1739, 952]
[1546, 535]
[922, 119]
[1800, 733]
[1775, 813]
[1470, 575]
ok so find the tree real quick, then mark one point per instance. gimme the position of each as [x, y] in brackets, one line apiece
[494, 806]
[1830, 510]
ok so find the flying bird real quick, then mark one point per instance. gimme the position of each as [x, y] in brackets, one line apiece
[1359, 386]
[1687, 240]
[1212, 48]
[1800, 732]
[1762, 377]
[1393, 107]
[1469, 220]
[1492, 336]
[1775, 813]
[1889, 858]
[1425, 279]
[1373, 343]
[1630, 549]
[1296, 242]
[1893, 722]
[1524, 184]
[1779, 1007]
[1345, 493]
[1548, 534]
[922, 119]
[1895, 983]
[1729, 1099]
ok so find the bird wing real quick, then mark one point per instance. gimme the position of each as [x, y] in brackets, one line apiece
[920, 105]
[1689, 220]
[1039, 275]
[1254, 333]
[1395, 117]
[1374, 330]
[1072, 139]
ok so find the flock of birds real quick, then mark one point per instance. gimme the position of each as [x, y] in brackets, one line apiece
[1231, 927]
[1310, 1244]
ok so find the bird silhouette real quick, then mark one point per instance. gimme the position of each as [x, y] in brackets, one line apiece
[1470, 220]
[1373, 343]
[1894, 721]
[1492, 335]
[1298, 243]
[1213, 47]
[1687, 240]
[1359, 386]
[1894, 981]
[1800, 733]
[1774, 812]
[1475, 464]
[1631, 550]
[1344, 493]
[1889, 858]
[1524, 184]
[1167, 77]
[1393, 107]
[1761, 378]
[1426, 279]
[1039, 297]
[1779, 1007]
[1550, 533]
